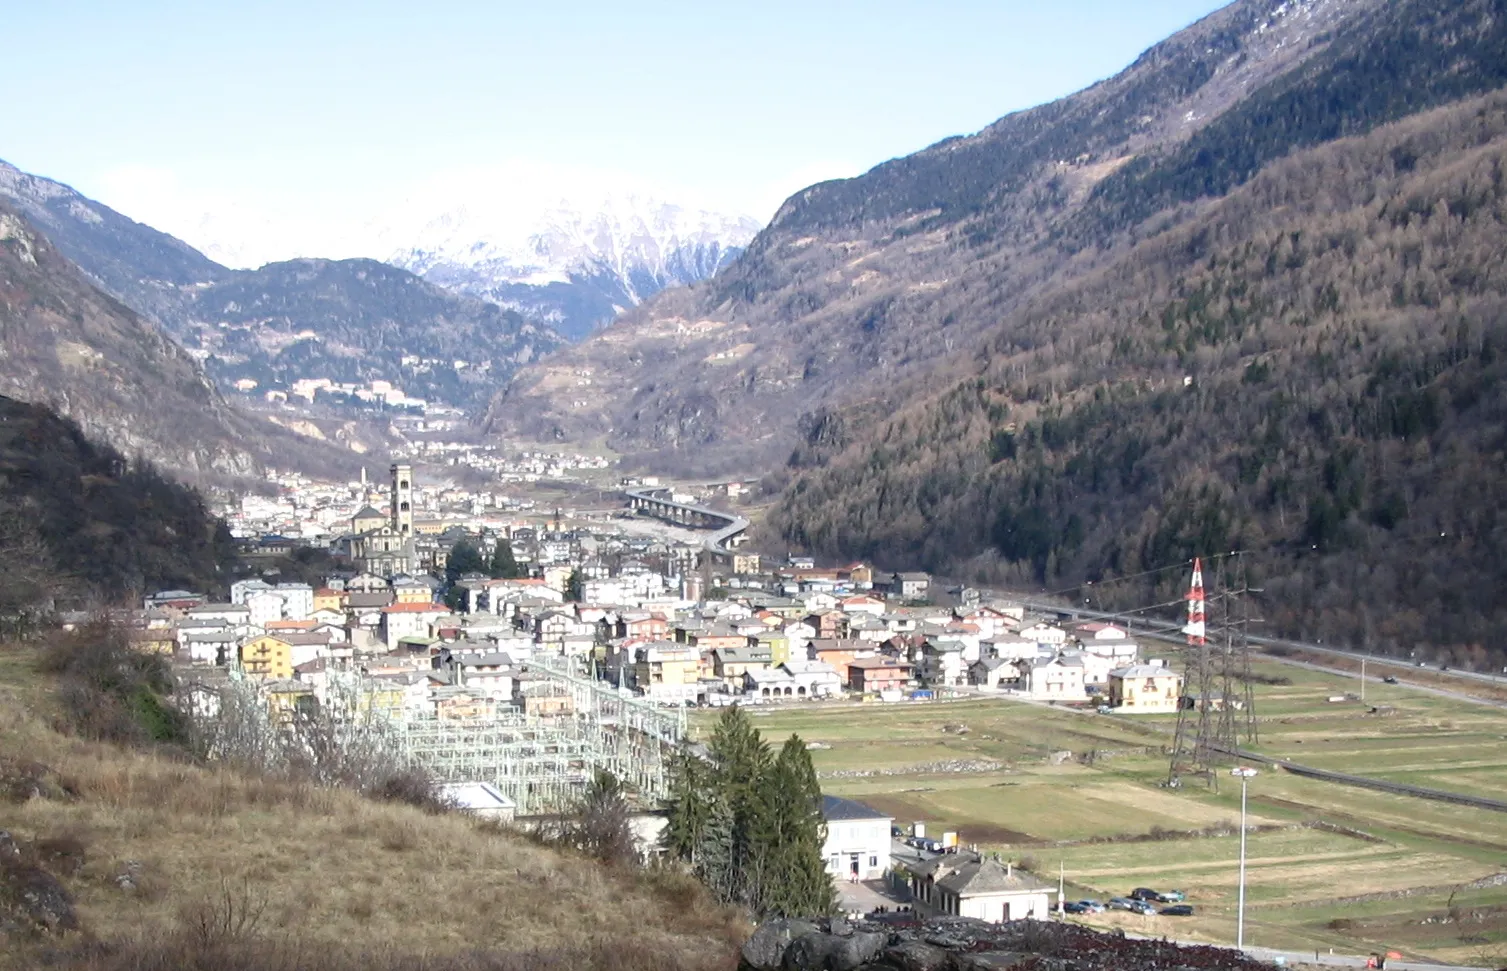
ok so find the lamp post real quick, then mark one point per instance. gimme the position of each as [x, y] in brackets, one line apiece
[1244, 774]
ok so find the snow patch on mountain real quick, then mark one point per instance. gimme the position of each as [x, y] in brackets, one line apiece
[570, 248]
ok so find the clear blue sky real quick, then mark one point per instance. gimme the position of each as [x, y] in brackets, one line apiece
[338, 106]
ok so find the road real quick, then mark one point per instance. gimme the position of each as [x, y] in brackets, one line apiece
[1163, 630]
[715, 544]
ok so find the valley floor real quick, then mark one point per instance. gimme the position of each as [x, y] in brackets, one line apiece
[1329, 866]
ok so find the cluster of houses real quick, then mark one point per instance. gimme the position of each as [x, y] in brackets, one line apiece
[820, 635]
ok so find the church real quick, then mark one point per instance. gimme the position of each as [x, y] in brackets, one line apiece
[386, 549]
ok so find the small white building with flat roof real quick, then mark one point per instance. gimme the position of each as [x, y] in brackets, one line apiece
[479, 799]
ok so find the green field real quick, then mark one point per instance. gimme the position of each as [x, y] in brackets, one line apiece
[1047, 802]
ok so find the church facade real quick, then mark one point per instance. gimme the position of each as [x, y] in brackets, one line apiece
[388, 549]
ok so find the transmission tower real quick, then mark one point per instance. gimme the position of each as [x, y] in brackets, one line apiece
[1219, 704]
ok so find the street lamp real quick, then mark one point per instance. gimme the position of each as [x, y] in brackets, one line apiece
[1244, 773]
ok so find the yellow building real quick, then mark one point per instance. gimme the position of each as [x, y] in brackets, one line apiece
[1145, 689]
[778, 645]
[287, 698]
[413, 593]
[267, 657]
[667, 672]
[327, 599]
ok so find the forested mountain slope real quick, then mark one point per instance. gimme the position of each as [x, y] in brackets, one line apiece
[1310, 368]
[859, 288]
[65, 344]
[357, 321]
[80, 521]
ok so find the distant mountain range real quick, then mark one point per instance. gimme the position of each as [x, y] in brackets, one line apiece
[351, 321]
[1245, 295]
[575, 259]
[67, 345]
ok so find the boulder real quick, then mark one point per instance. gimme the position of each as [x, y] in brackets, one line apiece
[765, 950]
[828, 952]
[810, 952]
[855, 951]
[914, 956]
[839, 926]
[36, 896]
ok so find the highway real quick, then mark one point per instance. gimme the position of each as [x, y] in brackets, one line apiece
[1173, 632]
[716, 543]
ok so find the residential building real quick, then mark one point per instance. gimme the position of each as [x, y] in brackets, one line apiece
[1145, 689]
[1054, 679]
[667, 672]
[732, 663]
[993, 672]
[402, 620]
[965, 884]
[910, 586]
[267, 657]
[857, 846]
[872, 675]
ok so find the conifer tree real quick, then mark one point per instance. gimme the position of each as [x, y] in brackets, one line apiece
[792, 876]
[503, 566]
[750, 826]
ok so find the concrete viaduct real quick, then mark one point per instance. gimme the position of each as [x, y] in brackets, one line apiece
[730, 527]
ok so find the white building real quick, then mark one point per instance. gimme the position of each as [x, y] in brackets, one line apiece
[266, 606]
[858, 840]
[1057, 679]
[479, 799]
[968, 885]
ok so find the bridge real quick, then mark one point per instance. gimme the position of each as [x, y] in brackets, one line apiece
[730, 527]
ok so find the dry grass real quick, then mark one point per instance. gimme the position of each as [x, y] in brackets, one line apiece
[329, 873]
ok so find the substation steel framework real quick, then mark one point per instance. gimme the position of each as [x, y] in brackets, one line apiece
[542, 763]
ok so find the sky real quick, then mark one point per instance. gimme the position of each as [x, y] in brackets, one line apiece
[301, 122]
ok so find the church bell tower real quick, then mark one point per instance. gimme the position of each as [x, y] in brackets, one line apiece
[402, 499]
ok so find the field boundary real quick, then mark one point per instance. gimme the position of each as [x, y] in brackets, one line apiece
[1366, 782]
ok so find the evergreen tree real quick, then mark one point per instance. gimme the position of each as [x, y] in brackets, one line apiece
[793, 877]
[748, 825]
[742, 760]
[689, 805]
[464, 558]
[714, 851]
[599, 826]
[575, 586]
[503, 566]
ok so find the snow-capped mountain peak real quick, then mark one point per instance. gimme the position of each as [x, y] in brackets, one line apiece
[574, 253]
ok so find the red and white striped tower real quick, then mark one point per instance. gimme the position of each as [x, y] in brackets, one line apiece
[1195, 627]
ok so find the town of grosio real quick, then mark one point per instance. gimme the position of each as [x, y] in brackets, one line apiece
[1076, 545]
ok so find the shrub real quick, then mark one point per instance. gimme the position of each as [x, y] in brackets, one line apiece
[111, 692]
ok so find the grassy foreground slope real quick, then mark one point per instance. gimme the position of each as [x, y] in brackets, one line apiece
[229, 871]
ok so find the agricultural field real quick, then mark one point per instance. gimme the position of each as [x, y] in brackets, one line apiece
[1329, 866]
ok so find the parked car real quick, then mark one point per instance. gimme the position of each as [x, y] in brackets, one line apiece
[1074, 907]
[1122, 903]
[896, 832]
[1389, 680]
[1172, 896]
[1144, 893]
[1142, 907]
[1178, 910]
[1091, 906]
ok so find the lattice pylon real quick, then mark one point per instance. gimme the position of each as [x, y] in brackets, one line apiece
[1190, 746]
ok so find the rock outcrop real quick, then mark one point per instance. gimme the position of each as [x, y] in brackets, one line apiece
[903, 942]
